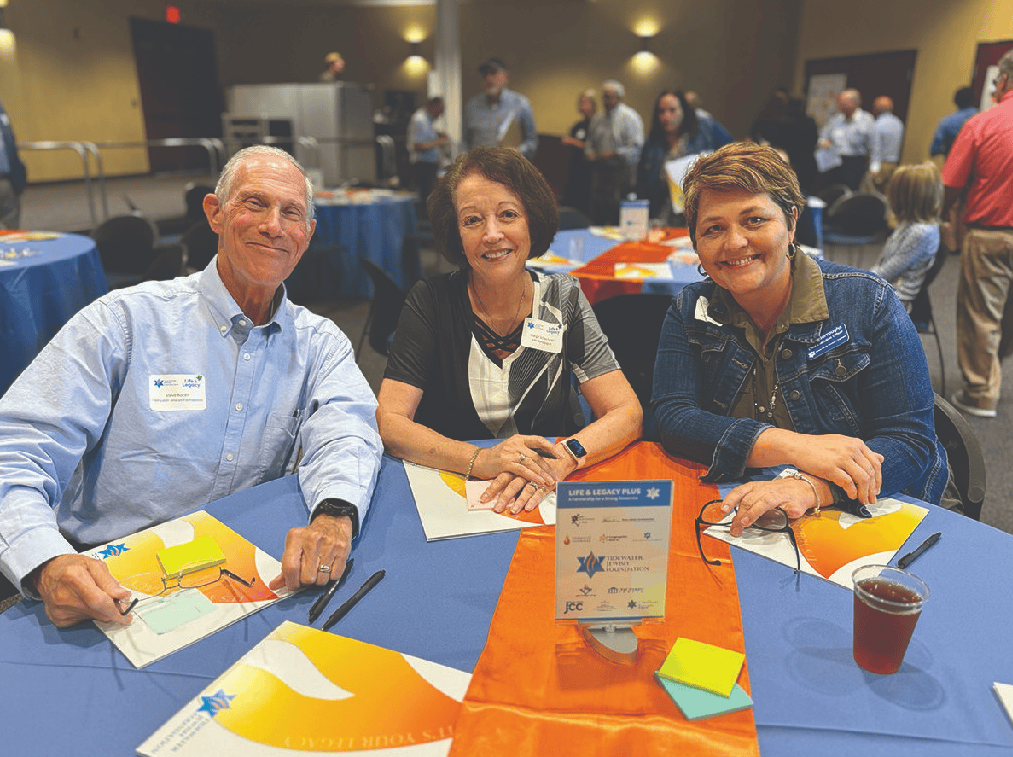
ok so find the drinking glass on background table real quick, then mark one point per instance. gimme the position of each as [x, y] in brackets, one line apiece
[888, 602]
[576, 251]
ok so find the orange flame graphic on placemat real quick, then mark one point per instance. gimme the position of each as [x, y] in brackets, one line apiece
[828, 546]
[391, 704]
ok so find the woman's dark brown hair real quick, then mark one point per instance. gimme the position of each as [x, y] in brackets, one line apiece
[503, 166]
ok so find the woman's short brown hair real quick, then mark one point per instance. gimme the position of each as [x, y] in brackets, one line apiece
[915, 193]
[747, 167]
[512, 170]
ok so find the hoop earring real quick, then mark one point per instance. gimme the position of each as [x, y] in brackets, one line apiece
[792, 250]
[700, 270]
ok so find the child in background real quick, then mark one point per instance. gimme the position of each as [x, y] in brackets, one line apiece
[915, 193]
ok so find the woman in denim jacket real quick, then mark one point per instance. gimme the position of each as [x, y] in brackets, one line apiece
[778, 359]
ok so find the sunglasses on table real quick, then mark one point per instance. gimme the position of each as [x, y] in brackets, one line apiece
[773, 521]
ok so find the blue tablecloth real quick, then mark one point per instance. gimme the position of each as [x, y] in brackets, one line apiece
[39, 292]
[72, 692]
[375, 230]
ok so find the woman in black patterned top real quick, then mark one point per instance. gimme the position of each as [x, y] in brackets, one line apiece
[489, 350]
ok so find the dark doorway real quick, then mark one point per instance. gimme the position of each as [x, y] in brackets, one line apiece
[177, 72]
[873, 75]
[988, 54]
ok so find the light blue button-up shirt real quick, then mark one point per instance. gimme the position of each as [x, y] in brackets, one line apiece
[887, 137]
[485, 125]
[96, 443]
[422, 131]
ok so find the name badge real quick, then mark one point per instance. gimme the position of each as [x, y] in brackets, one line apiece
[837, 335]
[547, 337]
[177, 391]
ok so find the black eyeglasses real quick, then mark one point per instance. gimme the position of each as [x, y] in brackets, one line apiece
[773, 521]
[146, 582]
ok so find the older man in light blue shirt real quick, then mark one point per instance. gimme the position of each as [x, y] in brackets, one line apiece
[155, 400]
[496, 113]
[615, 138]
[887, 138]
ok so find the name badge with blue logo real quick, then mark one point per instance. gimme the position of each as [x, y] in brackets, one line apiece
[837, 335]
[547, 337]
[177, 391]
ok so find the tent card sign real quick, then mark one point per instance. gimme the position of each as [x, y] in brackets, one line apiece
[612, 550]
[304, 691]
[188, 578]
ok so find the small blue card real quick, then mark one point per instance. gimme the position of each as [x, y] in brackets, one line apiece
[696, 703]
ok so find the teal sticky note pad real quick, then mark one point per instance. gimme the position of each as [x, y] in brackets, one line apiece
[175, 610]
[696, 703]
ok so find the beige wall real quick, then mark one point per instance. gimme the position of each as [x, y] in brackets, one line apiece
[944, 32]
[71, 74]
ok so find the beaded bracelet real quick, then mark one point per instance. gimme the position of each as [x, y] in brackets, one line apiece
[792, 473]
[471, 463]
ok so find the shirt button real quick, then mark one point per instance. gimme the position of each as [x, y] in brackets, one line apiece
[239, 406]
[242, 322]
[229, 457]
[786, 354]
[246, 356]
[795, 394]
[223, 329]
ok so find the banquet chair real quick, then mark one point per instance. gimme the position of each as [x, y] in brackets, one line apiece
[201, 244]
[632, 323]
[126, 245]
[963, 453]
[193, 196]
[832, 193]
[854, 228]
[384, 311]
[921, 313]
[571, 218]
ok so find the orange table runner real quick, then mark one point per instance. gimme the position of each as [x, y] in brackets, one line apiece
[598, 276]
[539, 689]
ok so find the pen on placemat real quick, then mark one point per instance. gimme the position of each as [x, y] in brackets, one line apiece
[910, 557]
[338, 614]
[323, 599]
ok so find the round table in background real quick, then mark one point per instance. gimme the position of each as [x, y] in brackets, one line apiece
[43, 282]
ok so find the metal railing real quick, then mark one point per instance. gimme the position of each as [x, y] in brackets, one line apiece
[83, 149]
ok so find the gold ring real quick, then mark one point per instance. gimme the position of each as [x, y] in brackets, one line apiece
[521, 458]
[324, 569]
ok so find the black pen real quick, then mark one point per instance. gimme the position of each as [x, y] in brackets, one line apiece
[910, 557]
[323, 599]
[338, 614]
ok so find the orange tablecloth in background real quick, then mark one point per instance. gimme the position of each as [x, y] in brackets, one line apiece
[539, 689]
[598, 278]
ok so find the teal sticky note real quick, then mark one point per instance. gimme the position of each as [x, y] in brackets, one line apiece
[171, 612]
[696, 703]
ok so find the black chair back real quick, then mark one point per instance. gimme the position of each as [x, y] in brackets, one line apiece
[921, 312]
[384, 311]
[201, 244]
[858, 214]
[832, 193]
[193, 196]
[963, 453]
[632, 323]
[125, 244]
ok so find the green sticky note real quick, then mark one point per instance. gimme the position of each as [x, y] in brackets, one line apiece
[704, 666]
[696, 703]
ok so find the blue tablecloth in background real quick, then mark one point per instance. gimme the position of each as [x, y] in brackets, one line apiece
[375, 230]
[72, 692]
[39, 293]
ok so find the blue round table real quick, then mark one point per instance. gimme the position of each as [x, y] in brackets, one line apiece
[43, 282]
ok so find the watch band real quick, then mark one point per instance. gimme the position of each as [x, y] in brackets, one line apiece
[338, 508]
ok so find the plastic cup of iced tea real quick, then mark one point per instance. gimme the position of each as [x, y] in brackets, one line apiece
[888, 602]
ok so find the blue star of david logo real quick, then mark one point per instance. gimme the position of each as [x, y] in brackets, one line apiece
[590, 565]
[653, 492]
[530, 325]
[213, 704]
[111, 550]
[159, 383]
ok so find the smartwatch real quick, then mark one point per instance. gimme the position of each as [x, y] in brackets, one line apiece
[338, 508]
[576, 450]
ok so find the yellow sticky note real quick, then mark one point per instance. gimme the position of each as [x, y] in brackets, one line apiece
[203, 552]
[703, 665]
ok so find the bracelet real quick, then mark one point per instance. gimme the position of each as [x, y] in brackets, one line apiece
[792, 473]
[471, 463]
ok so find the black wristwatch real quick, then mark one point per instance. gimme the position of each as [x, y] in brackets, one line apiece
[576, 449]
[337, 508]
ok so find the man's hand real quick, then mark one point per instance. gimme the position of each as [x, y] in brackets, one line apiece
[326, 542]
[75, 588]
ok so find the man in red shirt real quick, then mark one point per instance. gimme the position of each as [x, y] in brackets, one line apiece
[980, 165]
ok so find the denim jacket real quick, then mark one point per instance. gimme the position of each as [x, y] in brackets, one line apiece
[861, 373]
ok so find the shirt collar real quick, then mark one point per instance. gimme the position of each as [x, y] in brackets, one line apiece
[227, 314]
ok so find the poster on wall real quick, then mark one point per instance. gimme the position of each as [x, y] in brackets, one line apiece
[988, 91]
[819, 99]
